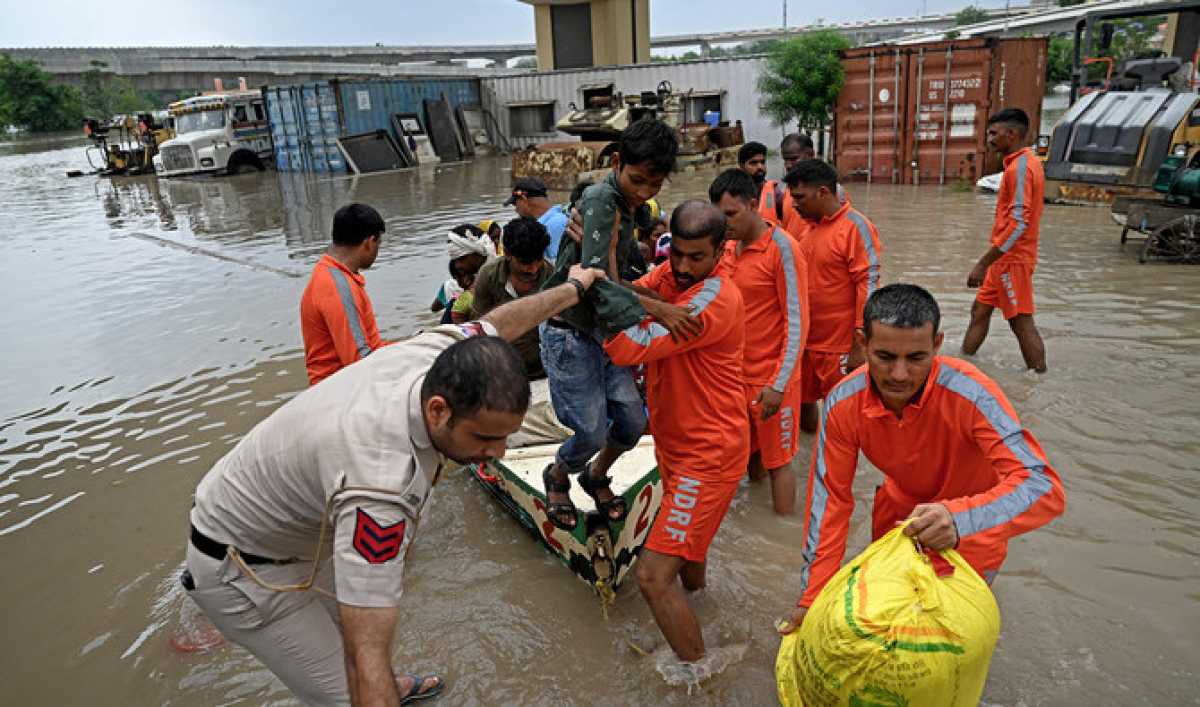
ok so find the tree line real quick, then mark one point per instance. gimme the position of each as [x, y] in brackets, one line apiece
[31, 99]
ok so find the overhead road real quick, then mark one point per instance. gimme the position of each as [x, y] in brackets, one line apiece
[1054, 21]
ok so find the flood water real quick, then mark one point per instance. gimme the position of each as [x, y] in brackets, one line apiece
[148, 325]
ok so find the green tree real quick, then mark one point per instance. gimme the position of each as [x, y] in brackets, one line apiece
[29, 98]
[969, 15]
[106, 95]
[1059, 56]
[1069, 3]
[802, 79]
[525, 62]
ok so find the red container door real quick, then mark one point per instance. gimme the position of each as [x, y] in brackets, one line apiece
[948, 112]
[870, 116]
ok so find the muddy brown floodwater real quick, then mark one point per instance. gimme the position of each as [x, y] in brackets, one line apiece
[149, 324]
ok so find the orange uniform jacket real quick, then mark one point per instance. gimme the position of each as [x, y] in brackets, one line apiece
[775, 202]
[842, 254]
[336, 320]
[694, 388]
[960, 444]
[1019, 208]
[773, 280]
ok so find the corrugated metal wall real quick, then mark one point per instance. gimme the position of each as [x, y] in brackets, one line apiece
[369, 105]
[307, 119]
[736, 79]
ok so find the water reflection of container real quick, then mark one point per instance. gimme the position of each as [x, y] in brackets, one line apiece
[917, 113]
[712, 117]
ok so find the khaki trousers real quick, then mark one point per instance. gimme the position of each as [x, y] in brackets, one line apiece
[295, 634]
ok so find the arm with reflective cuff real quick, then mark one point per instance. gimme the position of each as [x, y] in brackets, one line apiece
[863, 254]
[791, 282]
[649, 340]
[1029, 493]
[830, 500]
[1016, 202]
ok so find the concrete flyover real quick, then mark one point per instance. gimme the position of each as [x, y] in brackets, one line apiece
[194, 68]
[1052, 21]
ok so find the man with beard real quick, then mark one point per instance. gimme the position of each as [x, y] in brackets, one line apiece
[697, 405]
[353, 461]
[520, 272]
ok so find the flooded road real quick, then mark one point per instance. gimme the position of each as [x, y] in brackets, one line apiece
[149, 325]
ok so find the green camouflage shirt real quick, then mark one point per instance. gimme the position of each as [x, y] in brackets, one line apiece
[607, 306]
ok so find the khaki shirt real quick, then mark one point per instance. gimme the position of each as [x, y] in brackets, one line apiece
[358, 437]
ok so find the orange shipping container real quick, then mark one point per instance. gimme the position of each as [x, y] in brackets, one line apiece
[917, 113]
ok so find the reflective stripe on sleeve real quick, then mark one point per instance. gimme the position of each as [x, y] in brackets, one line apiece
[1018, 206]
[1005, 508]
[844, 390]
[347, 296]
[645, 336]
[864, 232]
[791, 352]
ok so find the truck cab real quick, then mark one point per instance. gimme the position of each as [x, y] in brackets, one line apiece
[222, 131]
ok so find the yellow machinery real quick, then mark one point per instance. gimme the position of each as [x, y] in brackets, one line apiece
[127, 144]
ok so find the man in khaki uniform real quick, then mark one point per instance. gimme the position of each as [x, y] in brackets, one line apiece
[357, 455]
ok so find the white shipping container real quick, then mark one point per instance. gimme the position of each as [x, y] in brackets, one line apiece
[527, 106]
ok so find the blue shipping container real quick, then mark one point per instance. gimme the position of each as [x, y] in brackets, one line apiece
[369, 105]
[307, 119]
[305, 127]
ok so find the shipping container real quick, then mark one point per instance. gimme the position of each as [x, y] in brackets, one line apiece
[307, 119]
[305, 127]
[527, 106]
[913, 114]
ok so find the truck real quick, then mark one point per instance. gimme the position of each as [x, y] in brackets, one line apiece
[217, 132]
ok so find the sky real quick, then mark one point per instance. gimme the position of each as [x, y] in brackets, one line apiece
[69, 23]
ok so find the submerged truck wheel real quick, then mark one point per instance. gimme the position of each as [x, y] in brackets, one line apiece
[240, 162]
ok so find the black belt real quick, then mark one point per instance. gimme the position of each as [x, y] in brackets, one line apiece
[218, 551]
[560, 324]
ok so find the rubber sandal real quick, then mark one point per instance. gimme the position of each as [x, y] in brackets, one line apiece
[556, 511]
[592, 488]
[419, 680]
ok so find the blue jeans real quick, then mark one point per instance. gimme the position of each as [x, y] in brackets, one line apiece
[597, 399]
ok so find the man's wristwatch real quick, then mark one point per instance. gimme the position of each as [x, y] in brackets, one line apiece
[579, 288]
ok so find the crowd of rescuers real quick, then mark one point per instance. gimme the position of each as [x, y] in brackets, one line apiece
[742, 310]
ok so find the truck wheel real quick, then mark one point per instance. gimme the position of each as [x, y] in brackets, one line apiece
[241, 163]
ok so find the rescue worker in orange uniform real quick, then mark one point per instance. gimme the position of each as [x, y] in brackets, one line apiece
[698, 416]
[774, 203]
[954, 456]
[1004, 275]
[766, 265]
[336, 318]
[841, 252]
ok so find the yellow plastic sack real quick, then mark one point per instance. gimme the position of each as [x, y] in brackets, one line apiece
[886, 631]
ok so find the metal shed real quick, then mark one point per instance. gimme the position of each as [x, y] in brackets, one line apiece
[527, 106]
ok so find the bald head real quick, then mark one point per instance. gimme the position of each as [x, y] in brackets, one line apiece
[697, 240]
[694, 219]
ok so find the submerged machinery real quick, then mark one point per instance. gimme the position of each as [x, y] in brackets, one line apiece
[127, 144]
[605, 114]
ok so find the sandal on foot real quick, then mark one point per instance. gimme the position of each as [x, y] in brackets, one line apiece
[415, 692]
[614, 509]
[558, 513]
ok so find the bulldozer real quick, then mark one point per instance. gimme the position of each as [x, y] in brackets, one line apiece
[1122, 127]
[127, 144]
[605, 114]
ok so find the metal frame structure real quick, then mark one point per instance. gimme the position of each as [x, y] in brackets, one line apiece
[1085, 26]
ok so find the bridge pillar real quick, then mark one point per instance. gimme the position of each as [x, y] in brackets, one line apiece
[705, 49]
